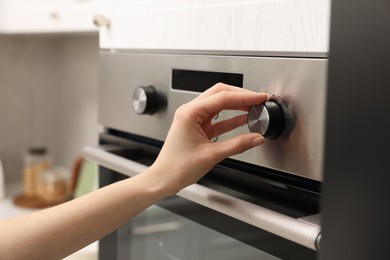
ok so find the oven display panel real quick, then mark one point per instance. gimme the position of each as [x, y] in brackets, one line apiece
[199, 81]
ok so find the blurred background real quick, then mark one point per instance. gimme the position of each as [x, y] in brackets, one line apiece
[48, 97]
[48, 82]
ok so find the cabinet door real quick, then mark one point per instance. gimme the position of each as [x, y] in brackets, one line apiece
[2, 16]
[30, 16]
[49, 16]
[280, 26]
[77, 15]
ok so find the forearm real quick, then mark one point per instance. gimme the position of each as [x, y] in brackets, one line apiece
[188, 154]
[56, 232]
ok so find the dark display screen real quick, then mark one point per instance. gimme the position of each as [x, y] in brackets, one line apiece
[199, 81]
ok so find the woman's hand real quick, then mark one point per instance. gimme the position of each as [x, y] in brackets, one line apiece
[188, 153]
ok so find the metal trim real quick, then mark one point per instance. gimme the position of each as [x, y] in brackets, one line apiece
[295, 230]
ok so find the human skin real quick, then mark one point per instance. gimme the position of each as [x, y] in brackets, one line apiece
[56, 232]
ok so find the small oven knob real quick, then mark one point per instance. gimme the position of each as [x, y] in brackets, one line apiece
[267, 119]
[145, 100]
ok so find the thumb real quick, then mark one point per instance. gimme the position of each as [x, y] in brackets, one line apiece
[238, 144]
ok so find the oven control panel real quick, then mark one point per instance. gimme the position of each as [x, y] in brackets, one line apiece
[140, 92]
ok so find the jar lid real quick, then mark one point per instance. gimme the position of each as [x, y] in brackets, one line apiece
[38, 150]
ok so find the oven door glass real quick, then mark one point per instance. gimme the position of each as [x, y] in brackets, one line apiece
[160, 234]
[178, 228]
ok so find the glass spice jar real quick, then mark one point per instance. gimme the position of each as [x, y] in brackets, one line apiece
[53, 186]
[36, 160]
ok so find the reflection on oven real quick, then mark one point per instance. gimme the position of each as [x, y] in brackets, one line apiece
[166, 253]
[160, 234]
[156, 228]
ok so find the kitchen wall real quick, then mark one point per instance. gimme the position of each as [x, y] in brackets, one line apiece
[48, 96]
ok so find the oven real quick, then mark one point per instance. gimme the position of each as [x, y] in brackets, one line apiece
[262, 204]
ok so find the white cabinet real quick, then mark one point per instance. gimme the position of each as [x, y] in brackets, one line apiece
[47, 16]
[281, 26]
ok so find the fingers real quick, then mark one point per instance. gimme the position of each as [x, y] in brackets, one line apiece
[236, 145]
[228, 125]
[218, 88]
[231, 100]
[217, 93]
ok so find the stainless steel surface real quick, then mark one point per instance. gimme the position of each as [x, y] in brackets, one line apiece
[301, 82]
[258, 119]
[139, 100]
[301, 232]
[312, 219]
[315, 220]
[272, 118]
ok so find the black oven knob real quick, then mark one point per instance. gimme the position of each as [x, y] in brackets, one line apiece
[267, 119]
[145, 100]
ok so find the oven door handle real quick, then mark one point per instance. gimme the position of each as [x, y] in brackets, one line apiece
[297, 230]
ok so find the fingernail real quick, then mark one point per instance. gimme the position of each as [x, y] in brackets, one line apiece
[258, 140]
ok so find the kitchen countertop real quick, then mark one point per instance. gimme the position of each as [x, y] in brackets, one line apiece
[8, 209]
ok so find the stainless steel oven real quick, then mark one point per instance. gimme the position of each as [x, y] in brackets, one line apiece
[262, 204]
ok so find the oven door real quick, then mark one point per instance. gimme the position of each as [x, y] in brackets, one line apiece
[226, 215]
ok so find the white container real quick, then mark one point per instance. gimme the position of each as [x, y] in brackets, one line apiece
[2, 186]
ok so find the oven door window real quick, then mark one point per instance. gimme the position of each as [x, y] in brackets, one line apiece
[160, 234]
[177, 228]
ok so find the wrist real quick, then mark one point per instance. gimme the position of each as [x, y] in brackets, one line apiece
[165, 178]
[154, 182]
